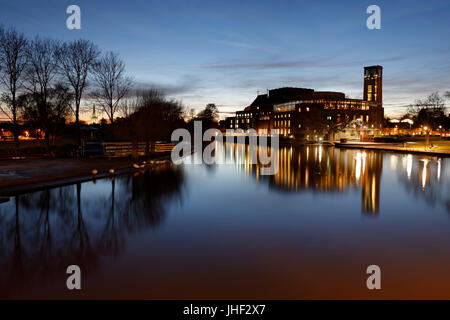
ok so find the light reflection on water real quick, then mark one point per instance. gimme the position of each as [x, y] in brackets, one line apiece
[226, 231]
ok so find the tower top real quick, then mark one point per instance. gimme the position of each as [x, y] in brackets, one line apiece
[373, 85]
[375, 66]
[373, 71]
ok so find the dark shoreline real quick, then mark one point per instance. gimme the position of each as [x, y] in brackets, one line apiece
[43, 185]
[75, 175]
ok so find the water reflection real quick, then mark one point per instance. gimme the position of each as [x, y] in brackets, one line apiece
[266, 231]
[422, 177]
[324, 169]
[43, 232]
[327, 169]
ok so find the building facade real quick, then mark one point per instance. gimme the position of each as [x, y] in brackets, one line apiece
[314, 115]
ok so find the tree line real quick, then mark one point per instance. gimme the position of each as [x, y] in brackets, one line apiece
[44, 81]
[430, 112]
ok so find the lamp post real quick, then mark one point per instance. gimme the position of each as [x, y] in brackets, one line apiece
[427, 137]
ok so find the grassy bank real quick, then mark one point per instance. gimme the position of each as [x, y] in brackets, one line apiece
[436, 147]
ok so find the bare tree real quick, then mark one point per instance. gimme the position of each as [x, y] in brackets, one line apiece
[42, 68]
[210, 113]
[127, 105]
[190, 114]
[41, 74]
[75, 60]
[433, 103]
[429, 111]
[51, 115]
[154, 117]
[13, 59]
[112, 83]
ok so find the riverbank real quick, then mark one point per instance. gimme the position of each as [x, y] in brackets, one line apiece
[28, 175]
[442, 150]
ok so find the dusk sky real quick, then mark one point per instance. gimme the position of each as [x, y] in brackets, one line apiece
[223, 52]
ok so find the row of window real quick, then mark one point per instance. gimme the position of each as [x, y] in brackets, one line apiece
[288, 106]
[243, 115]
[288, 116]
[284, 132]
[327, 104]
[240, 121]
[283, 115]
[282, 123]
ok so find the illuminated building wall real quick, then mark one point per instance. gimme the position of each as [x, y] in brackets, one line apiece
[305, 113]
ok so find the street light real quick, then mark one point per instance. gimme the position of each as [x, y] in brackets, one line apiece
[427, 137]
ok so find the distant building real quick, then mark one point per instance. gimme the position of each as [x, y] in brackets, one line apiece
[308, 114]
[94, 118]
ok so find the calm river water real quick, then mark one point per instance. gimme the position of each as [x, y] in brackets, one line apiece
[225, 231]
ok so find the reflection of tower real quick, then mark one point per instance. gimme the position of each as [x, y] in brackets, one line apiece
[94, 116]
[370, 184]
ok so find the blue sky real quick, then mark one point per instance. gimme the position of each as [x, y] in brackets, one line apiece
[225, 51]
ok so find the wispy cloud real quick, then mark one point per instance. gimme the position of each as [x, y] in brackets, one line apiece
[186, 85]
[268, 65]
[312, 63]
[236, 44]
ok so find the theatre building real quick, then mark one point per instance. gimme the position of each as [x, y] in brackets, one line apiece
[314, 115]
